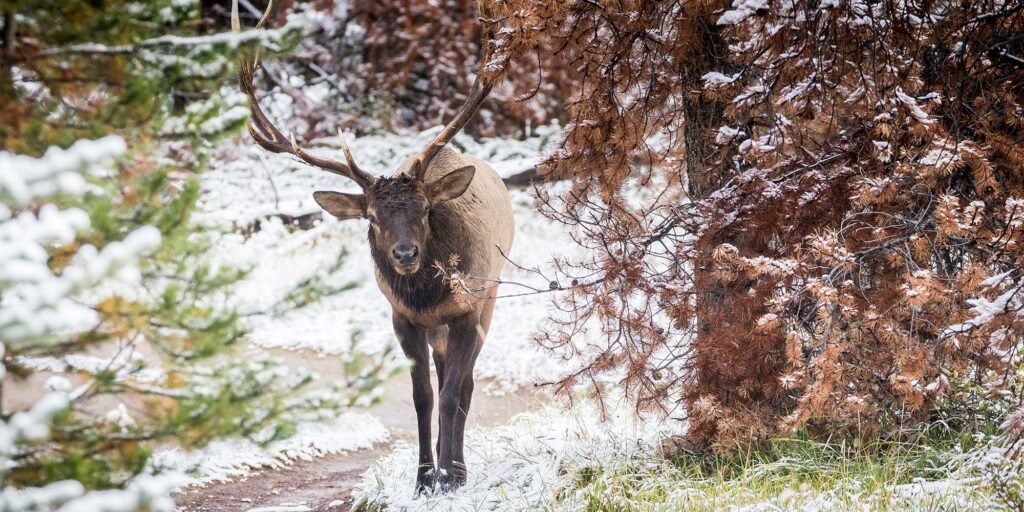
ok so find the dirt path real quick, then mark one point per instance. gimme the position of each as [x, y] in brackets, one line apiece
[324, 481]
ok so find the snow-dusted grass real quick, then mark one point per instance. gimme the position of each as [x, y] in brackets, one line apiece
[927, 473]
[558, 460]
[524, 465]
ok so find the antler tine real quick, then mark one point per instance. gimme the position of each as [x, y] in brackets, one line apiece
[481, 88]
[348, 154]
[268, 136]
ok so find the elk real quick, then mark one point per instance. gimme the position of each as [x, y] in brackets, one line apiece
[439, 206]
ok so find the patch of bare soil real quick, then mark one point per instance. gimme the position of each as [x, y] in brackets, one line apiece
[319, 483]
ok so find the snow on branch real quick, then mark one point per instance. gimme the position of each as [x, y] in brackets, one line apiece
[40, 305]
[229, 39]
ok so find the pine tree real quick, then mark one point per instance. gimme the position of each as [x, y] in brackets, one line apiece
[99, 255]
[827, 229]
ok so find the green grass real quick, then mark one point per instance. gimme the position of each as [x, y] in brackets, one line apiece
[926, 470]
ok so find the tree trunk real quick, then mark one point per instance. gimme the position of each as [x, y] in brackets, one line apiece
[702, 116]
[7, 58]
[719, 342]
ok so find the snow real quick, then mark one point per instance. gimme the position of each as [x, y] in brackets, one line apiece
[727, 134]
[985, 310]
[519, 466]
[31, 425]
[941, 156]
[24, 178]
[284, 507]
[229, 39]
[40, 304]
[123, 361]
[566, 459]
[915, 110]
[227, 460]
[146, 492]
[741, 10]
[714, 78]
[222, 122]
[39, 498]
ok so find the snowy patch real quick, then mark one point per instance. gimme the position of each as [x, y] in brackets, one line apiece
[39, 305]
[715, 79]
[915, 110]
[223, 461]
[741, 10]
[124, 362]
[284, 507]
[521, 466]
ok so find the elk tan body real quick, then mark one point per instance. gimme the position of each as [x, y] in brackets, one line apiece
[486, 213]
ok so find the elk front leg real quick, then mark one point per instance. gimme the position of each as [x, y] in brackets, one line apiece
[437, 338]
[439, 369]
[463, 340]
[414, 344]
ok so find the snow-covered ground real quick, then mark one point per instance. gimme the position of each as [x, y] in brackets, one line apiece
[520, 466]
[568, 459]
[226, 460]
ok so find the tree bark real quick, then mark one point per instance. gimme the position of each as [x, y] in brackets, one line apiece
[7, 59]
[702, 116]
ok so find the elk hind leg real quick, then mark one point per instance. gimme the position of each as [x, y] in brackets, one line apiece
[466, 390]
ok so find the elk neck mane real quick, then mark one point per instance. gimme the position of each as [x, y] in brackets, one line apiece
[426, 289]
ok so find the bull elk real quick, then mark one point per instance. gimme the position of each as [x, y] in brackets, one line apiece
[437, 205]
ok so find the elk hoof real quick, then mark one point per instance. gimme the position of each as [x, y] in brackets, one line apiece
[457, 480]
[425, 480]
[457, 475]
[449, 481]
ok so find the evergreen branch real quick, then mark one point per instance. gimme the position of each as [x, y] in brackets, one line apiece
[233, 39]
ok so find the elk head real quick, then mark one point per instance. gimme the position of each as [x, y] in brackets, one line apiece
[399, 210]
[398, 207]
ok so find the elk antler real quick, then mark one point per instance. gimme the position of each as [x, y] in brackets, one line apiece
[481, 88]
[267, 135]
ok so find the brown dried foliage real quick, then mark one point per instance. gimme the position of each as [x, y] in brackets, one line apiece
[852, 251]
[415, 55]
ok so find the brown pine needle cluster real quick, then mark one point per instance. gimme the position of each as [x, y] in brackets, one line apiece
[805, 213]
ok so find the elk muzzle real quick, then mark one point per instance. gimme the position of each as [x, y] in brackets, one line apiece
[405, 257]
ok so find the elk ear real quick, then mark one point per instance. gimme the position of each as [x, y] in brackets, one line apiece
[451, 185]
[342, 206]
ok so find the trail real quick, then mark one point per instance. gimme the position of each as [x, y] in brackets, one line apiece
[317, 483]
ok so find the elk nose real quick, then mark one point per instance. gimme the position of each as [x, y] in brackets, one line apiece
[405, 254]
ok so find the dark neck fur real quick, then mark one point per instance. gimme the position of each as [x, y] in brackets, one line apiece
[425, 289]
